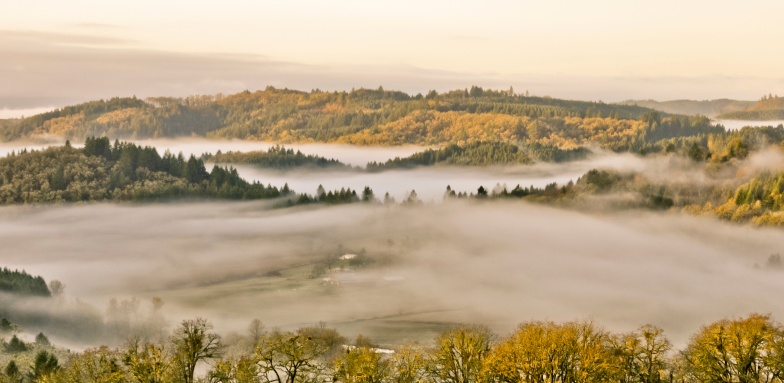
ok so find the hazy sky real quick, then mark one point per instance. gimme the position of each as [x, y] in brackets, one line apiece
[54, 52]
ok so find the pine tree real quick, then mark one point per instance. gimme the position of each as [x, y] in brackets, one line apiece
[58, 179]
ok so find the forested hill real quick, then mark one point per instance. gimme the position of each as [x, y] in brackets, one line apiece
[123, 172]
[482, 153]
[768, 103]
[363, 117]
[8, 122]
[21, 283]
[769, 108]
[709, 108]
[127, 172]
[276, 157]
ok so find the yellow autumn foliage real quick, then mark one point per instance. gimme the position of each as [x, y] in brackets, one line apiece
[60, 126]
[430, 127]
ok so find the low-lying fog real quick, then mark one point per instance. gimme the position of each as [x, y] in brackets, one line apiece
[431, 182]
[497, 263]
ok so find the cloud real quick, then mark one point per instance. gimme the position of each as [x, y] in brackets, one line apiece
[467, 38]
[63, 38]
[43, 68]
[96, 26]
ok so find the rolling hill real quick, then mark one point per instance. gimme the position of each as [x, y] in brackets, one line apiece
[767, 109]
[361, 117]
[709, 108]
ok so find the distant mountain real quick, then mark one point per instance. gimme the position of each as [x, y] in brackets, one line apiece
[709, 108]
[767, 109]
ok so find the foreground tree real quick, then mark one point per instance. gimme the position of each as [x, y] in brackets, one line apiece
[11, 373]
[45, 364]
[242, 370]
[288, 357]
[460, 352]
[361, 364]
[98, 365]
[193, 343]
[544, 352]
[748, 350]
[410, 364]
[146, 362]
[642, 355]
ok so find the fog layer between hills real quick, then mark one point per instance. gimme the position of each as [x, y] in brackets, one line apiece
[495, 262]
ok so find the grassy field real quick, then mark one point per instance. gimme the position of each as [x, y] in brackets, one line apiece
[290, 298]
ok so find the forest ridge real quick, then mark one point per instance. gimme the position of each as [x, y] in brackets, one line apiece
[361, 117]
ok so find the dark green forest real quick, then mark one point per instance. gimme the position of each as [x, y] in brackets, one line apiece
[709, 108]
[127, 172]
[20, 283]
[482, 154]
[475, 153]
[120, 172]
[276, 157]
[754, 115]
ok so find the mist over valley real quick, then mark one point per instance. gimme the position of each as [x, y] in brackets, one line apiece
[391, 192]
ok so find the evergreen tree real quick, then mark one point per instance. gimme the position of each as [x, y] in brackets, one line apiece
[12, 372]
[58, 179]
[42, 340]
[44, 365]
[5, 326]
[15, 345]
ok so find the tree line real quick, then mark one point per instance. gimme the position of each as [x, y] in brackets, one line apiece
[472, 154]
[276, 157]
[758, 201]
[127, 172]
[754, 115]
[21, 283]
[481, 153]
[746, 349]
[119, 172]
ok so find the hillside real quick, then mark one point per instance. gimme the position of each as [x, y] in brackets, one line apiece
[361, 117]
[709, 108]
[769, 108]
[21, 283]
[4, 122]
[123, 172]
[276, 157]
[482, 154]
[771, 103]
[756, 115]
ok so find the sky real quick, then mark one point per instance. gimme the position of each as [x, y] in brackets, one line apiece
[54, 53]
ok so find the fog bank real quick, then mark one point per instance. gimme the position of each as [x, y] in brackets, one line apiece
[497, 263]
